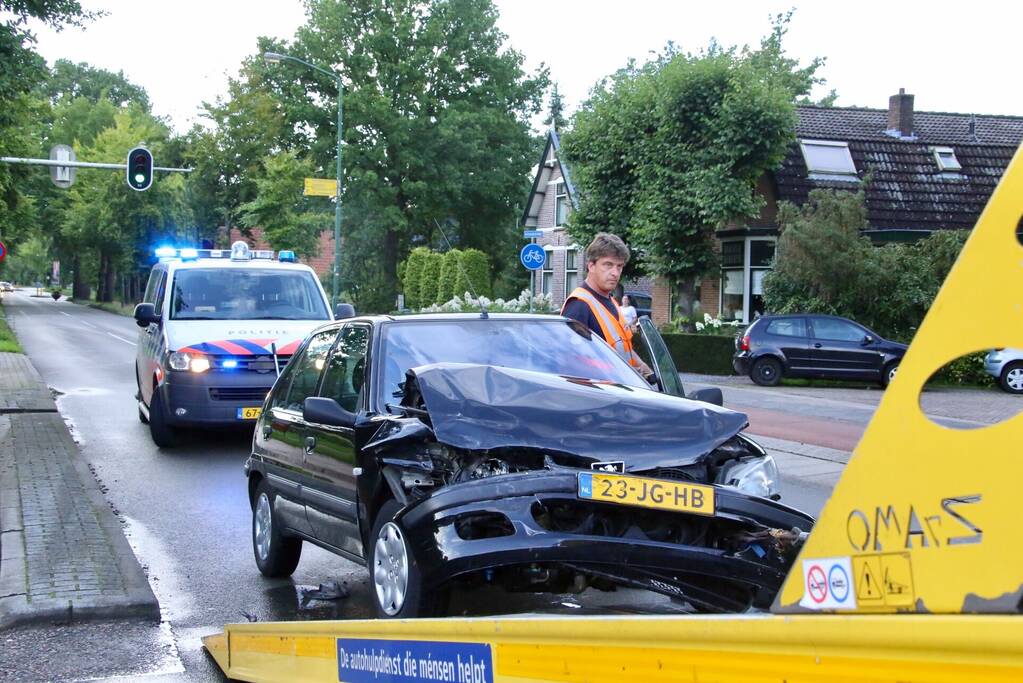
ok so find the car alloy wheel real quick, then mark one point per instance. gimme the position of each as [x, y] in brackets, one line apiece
[390, 568]
[891, 372]
[263, 521]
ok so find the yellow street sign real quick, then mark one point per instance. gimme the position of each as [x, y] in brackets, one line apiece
[320, 187]
[927, 514]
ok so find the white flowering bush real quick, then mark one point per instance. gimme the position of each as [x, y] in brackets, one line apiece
[542, 303]
[712, 325]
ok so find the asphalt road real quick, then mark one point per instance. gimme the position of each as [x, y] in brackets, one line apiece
[186, 515]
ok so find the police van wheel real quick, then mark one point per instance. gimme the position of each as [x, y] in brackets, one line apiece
[164, 436]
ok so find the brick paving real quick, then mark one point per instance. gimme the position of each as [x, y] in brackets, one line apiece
[62, 553]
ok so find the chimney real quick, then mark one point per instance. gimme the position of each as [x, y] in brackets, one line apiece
[900, 115]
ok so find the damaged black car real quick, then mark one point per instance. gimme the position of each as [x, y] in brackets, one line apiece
[516, 450]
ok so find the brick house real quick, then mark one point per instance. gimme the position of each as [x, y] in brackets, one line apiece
[322, 263]
[928, 171]
[551, 201]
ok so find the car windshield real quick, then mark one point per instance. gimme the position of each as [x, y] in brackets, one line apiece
[552, 346]
[246, 294]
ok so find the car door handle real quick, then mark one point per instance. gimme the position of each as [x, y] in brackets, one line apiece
[310, 444]
[817, 345]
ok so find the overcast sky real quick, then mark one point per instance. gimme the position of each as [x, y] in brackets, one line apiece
[958, 57]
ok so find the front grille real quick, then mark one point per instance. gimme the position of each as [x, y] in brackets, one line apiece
[239, 394]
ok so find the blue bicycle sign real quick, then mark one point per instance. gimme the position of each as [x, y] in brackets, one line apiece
[532, 256]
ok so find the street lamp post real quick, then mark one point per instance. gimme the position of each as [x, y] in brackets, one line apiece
[273, 58]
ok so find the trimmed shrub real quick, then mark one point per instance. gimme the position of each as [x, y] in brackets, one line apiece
[701, 353]
[411, 276]
[450, 277]
[429, 279]
[477, 269]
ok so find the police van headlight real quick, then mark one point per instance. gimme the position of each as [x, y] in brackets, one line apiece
[196, 362]
[758, 476]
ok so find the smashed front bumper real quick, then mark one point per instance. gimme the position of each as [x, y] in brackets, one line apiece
[728, 562]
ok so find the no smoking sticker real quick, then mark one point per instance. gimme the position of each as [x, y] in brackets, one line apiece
[827, 584]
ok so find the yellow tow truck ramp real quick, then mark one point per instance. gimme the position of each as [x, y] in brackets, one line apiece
[913, 573]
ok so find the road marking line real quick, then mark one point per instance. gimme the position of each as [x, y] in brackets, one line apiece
[121, 338]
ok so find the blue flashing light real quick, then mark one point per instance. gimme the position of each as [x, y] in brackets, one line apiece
[287, 256]
[229, 364]
[189, 253]
[166, 252]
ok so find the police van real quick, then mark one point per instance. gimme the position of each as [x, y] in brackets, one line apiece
[218, 326]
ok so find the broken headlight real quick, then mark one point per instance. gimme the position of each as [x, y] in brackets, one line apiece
[758, 476]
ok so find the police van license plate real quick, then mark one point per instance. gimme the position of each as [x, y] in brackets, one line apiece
[249, 413]
[645, 492]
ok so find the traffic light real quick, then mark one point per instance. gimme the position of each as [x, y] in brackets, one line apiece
[140, 169]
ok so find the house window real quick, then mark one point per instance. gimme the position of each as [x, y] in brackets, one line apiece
[827, 160]
[547, 274]
[946, 159]
[571, 271]
[560, 204]
[744, 264]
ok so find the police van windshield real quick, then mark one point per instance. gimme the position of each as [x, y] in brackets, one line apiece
[557, 347]
[246, 294]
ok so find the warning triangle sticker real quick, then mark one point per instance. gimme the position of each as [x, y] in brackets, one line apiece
[907, 465]
[867, 587]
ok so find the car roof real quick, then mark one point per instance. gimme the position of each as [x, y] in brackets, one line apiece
[265, 264]
[456, 317]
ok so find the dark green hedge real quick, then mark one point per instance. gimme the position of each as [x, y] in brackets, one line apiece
[701, 353]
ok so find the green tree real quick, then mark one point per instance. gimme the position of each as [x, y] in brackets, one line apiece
[666, 153]
[68, 80]
[410, 277]
[476, 267]
[288, 220]
[450, 276]
[429, 279]
[556, 111]
[437, 113]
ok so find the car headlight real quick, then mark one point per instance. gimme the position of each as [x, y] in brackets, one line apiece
[196, 362]
[758, 476]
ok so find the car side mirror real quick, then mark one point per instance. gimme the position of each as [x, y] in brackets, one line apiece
[145, 314]
[342, 311]
[326, 411]
[710, 395]
[867, 340]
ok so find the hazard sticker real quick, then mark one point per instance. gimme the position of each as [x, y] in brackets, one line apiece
[884, 580]
[828, 584]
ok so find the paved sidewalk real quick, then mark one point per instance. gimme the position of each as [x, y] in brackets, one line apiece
[63, 555]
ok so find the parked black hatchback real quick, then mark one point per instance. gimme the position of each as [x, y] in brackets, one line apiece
[815, 346]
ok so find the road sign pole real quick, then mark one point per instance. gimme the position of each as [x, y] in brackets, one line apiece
[532, 288]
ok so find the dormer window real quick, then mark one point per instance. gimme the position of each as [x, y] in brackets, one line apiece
[828, 160]
[945, 157]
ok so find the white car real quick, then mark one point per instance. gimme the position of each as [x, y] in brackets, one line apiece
[216, 328]
[6, 287]
[1007, 366]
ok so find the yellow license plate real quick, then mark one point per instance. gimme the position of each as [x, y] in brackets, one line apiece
[249, 413]
[644, 492]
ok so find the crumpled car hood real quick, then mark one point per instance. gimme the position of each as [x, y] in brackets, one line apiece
[482, 407]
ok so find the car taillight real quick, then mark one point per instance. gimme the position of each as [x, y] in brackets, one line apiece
[744, 344]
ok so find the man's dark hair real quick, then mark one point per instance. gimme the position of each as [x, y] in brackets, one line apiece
[606, 244]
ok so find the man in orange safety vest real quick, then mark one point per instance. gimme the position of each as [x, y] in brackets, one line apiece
[591, 303]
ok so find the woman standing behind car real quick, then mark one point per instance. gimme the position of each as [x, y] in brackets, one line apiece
[629, 312]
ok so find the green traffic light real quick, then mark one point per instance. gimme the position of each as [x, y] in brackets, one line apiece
[140, 178]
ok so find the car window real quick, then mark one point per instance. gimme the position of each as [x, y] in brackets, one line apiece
[345, 375]
[787, 327]
[160, 291]
[836, 330]
[150, 296]
[306, 371]
[246, 294]
[557, 346]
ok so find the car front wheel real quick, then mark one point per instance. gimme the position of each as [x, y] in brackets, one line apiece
[164, 435]
[1012, 378]
[766, 372]
[888, 374]
[276, 555]
[397, 580]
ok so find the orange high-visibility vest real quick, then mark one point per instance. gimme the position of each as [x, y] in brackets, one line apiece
[616, 333]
